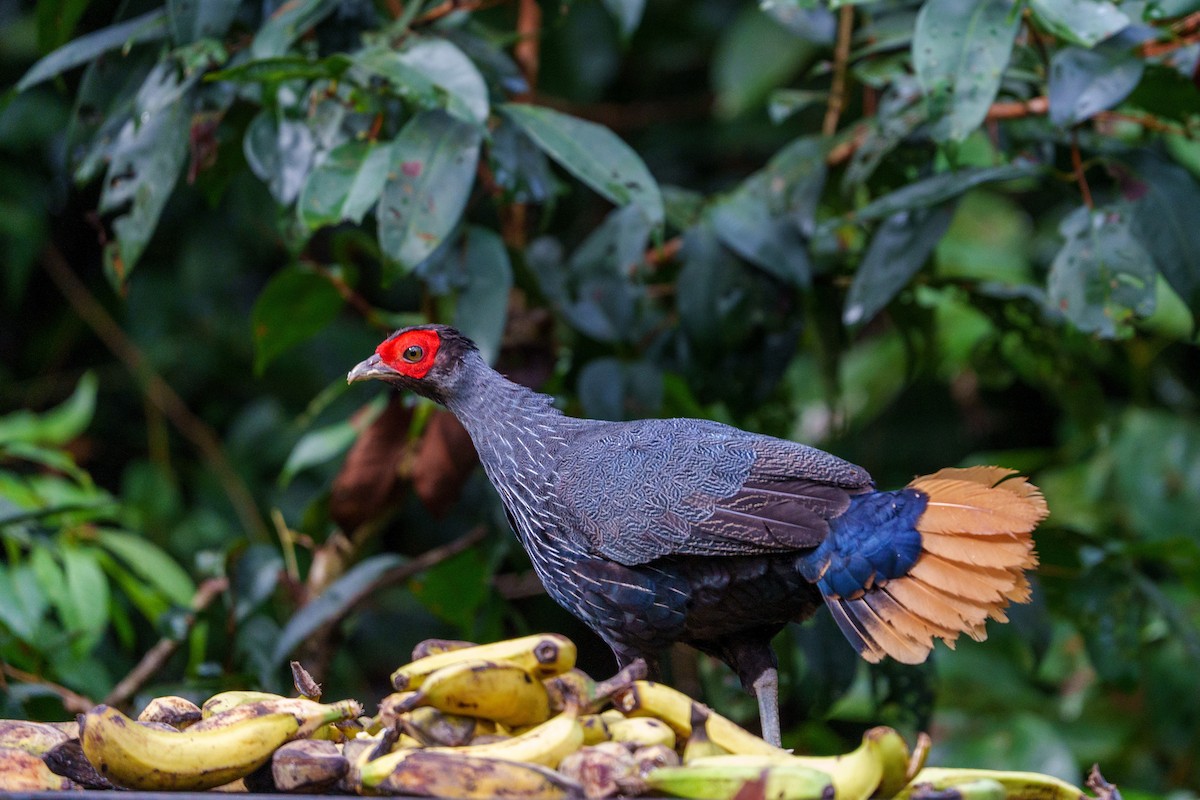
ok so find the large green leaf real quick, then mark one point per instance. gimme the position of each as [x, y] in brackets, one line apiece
[755, 55]
[145, 162]
[1084, 82]
[23, 605]
[56, 20]
[432, 72]
[944, 186]
[594, 155]
[85, 615]
[774, 243]
[960, 50]
[321, 445]
[346, 185]
[1084, 22]
[151, 563]
[898, 249]
[428, 183]
[1166, 217]
[287, 24]
[147, 27]
[198, 19]
[613, 389]
[280, 151]
[481, 307]
[57, 426]
[295, 305]
[1102, 278]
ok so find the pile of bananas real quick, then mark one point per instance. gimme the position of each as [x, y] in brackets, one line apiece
[513, 719]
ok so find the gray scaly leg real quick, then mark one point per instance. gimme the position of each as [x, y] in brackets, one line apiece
[766, 689]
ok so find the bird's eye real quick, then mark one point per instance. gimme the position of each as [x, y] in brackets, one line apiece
[413, 353]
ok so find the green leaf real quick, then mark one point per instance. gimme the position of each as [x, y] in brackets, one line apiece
[1166, 215]
[944, 186]
[338, 599]
[148, 27]
[1102, 277]
[1084, 82]
[594, 155]
[200, 19]
[23, 605]
[321, 445]
[455, 589]
[754, 56]
[960, 50]
[346, 185]
[897, 251]
[255, 577]
[151, 563]
[59, 425]
[744, 223]
[612, 389]
[294, 306]
[145, 161]
[1084, 22]
[280, 151]
[519, 167]
[287, 24]
[428, 183]
[86, 612]
[481, 307]
[284, 68]
[786, 102]
[433, 73]
[1166, 93]
[56, 21]
[627, 13]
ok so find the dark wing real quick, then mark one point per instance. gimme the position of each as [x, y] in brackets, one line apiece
[638, 491]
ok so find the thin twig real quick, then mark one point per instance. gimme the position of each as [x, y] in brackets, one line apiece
[157, 656]
[1080, 177]
[841, 60]
[73, 702]
[157, 390]
[1013, 109]
[528, 46]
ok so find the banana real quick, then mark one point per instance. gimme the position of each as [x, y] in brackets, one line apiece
[595, 729]
[972, 782]
[603, 770]
[778, 781]
[449, 774]
[274, 704]
[542, 655]
[574, 685]
[546, 744]
[642, 732]
[855, 775]
[178, 712]
[307, 766]
[648, 698]
[654, 757]
[431, 647]
[223, 701]
[899, 765]
[698, 745]
[432, 727]
[35, 738]
[389, 708]
[67, 759]
[140, 757]
[497, 690]
[22, 771]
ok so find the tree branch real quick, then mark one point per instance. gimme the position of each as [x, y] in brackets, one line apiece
[73, 702]
[841, 60]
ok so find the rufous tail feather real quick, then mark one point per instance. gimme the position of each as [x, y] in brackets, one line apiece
[976, 546]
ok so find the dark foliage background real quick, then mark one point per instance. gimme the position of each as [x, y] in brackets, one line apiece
[916, 234]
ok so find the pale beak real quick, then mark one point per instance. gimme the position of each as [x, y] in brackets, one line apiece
[373, 367]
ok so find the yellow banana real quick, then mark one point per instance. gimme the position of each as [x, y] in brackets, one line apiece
[433, 727]
[178, 712]
[296, 706]
[223, 701]
[450, 774]
[1017, 785]
[595, 729]
[574, 685]
[779, 781]
[855, 775]
[497, 690]
[546, 744]
[648, 698]
[35, 738]
[698, 745]
[542, 655]
[431, 647]
[642, 732]
[22, 771]
[141, 757]
[899, 764]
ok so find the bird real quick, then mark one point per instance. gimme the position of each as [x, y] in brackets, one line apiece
[658, 531]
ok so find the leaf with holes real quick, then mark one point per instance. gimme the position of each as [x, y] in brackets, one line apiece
[429, 180]
[594, 155]
[1102, 278]
[960, 50]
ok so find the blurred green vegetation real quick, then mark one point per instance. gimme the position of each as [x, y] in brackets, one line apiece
[916, 234]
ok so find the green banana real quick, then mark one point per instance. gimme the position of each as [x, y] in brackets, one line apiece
[35, 738]
[541, 655]
[779, 781]
[22, 771]
[648, 698]
[1017, 785]
[497, 690]
[451, 774]
[138, 756]
[178, 712]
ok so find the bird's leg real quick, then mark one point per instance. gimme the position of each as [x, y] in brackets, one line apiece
[766, 690]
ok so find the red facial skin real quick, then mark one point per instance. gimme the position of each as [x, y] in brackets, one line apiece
[392, 352]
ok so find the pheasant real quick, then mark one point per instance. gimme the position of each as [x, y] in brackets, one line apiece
[685, 530]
